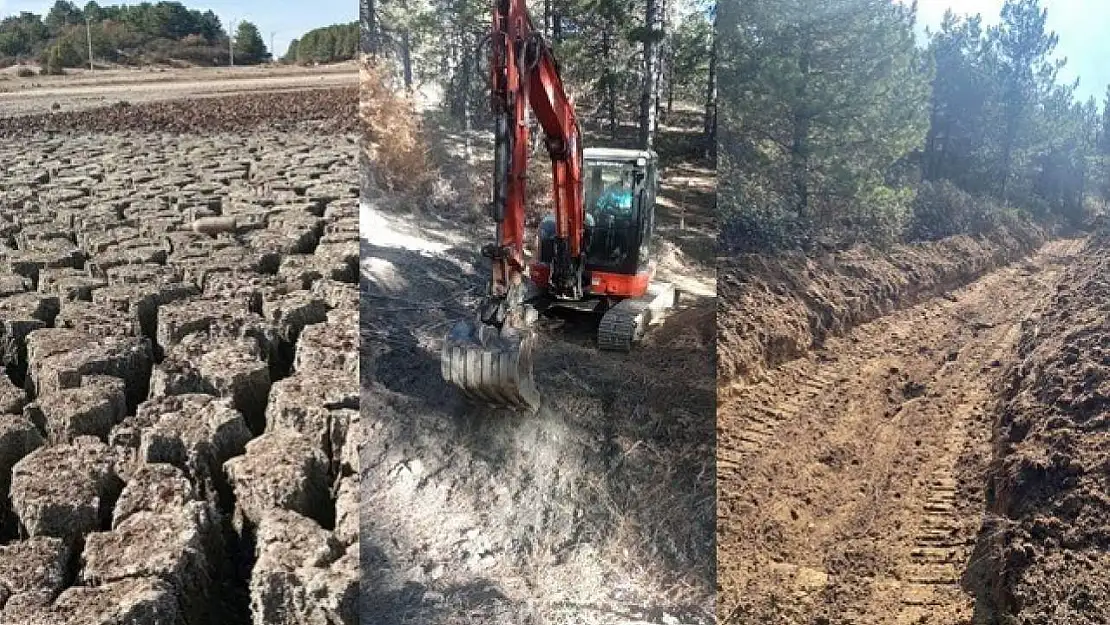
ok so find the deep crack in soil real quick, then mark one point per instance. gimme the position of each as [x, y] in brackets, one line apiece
[178, 423]
[851, 481]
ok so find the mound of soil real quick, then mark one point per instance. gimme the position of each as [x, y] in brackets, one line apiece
[1044, 550]
[338, 107]
[775, 309]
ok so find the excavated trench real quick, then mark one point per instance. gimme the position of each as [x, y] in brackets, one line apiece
[178, 422]
[854, 457]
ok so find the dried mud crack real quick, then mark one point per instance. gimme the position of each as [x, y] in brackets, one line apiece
[178, 414]
[851, 480]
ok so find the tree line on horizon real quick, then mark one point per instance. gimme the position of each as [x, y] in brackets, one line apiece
[151, 33]
[328, 44]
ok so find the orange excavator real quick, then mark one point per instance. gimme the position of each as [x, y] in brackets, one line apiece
[594, 250]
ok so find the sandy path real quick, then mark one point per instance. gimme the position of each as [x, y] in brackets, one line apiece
[850, 482]
[598, 510]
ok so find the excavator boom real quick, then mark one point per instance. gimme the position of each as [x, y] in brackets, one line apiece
[490, 358]
[525, 76]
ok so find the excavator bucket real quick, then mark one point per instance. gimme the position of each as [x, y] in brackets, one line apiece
[491, 366]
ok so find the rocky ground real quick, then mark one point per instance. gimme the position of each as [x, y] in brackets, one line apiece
[856, 435]
[179, 423]
[597, 510]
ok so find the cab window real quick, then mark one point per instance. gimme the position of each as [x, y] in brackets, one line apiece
[610, 202]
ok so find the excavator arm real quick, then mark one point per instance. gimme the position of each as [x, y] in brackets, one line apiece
[526, 76]
[490, 357]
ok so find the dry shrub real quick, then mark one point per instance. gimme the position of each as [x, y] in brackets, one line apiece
[393, 138]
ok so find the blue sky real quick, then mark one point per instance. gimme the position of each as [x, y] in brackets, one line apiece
[1083, 27]
[287, 19]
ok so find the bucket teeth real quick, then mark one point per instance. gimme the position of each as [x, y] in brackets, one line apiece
[491, 367]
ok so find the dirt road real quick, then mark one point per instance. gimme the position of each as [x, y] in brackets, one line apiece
[26, 96]
[850, 482]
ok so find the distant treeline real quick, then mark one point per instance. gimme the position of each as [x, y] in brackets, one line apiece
[330, 44]
[131, 34]
[839, 125]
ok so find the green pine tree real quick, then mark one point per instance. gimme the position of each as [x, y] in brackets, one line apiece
[249, 47]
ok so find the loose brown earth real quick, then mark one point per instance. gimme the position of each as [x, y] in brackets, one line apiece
[1042, 556]
[851, 481]
[178, 419]
[597, 510]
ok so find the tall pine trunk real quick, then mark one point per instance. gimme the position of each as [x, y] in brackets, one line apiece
[710, 129]
[547, 19]
[670, 87]
[610, 79]
[556, 23]
[406, 58]
[799, 148]
[649, 109]
[1008, 140]
[368, 15]
[464, 94]
[662, 76]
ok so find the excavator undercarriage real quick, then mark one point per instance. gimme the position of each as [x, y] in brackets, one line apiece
[625, 323]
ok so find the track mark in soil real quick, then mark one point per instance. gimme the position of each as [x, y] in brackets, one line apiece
[759, 417]
[851, 481]
[948, 517]
[940, 547]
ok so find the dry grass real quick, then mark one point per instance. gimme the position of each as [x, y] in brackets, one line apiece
[393, 140]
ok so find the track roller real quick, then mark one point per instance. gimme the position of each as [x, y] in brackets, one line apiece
[625, 323]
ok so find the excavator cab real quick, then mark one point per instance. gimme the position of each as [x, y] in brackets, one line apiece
[620, 188]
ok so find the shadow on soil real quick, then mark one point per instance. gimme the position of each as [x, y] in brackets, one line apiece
[619, 458]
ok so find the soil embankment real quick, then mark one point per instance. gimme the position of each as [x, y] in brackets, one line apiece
[772, 310]
[1044, 550]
